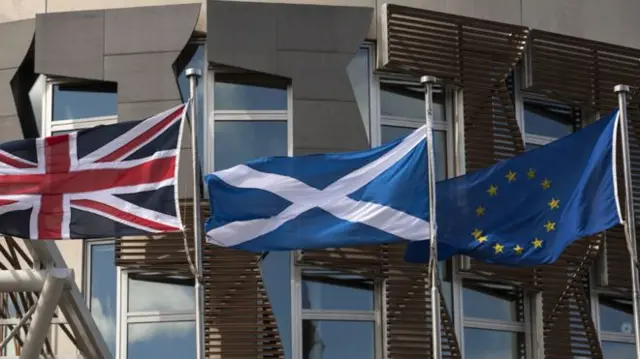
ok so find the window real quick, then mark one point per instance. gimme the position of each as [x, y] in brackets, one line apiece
[337, 315]
[158, 317]
[402, 111]
[250, 118]
[101, 288]
[74, 105]
[615, 321]
[494, 321]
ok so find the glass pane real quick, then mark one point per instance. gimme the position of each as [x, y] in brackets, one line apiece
[390, 133]
[489, 301]
[156, 296]
[73, 104]
[359, 71]
[401, 100]
[103, 289]
[337, 340]
[613, 350]
[197, 61]
[168, 340]
[485, 344]
[616, 315]
[530, 146]
[336, 291]
[235, 96]
[241, 141]
[276, 273]
[550, 121]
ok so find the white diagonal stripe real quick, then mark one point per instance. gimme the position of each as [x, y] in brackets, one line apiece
[332, 199]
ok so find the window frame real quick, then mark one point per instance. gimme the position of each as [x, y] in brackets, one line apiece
[212, 115]
[298, 314]
[49, 126]
[125, 317]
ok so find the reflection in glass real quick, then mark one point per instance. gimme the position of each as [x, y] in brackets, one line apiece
[166, 340]
[71, 102]
[276, 271]
[616, 315]
[613, 350]
[323, 339]
[336, 291]
[240, 141]
[549, 121]
[235, 96]
[401, 100]
[359, 71]
[390, 133]
[146, 296]
[103, 289]
[489, 301]
[492, 344]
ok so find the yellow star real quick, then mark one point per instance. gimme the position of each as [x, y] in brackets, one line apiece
[537, 243]
[511, 176]
[555, 203]
[531, 174]
[518, 249]
[493, 190]
[476, 233]
[481, 239]
[480, 211]
[546, 184]
[498, 248]
[550, 226]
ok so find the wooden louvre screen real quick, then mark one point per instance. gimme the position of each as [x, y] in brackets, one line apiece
[582, 73]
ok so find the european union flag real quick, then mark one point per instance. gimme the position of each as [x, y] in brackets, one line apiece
[525, 211]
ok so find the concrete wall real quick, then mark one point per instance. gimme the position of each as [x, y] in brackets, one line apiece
[613, 21]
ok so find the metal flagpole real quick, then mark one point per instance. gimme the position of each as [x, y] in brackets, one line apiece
[629, 225]
[428, 82]
[193, 75]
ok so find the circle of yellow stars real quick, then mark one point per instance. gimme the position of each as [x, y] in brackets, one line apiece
[492, 191]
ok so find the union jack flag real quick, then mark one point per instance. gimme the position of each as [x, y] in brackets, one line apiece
[107, 181]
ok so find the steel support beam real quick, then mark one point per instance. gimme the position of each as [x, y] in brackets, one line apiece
[45, 308]
[71, 304]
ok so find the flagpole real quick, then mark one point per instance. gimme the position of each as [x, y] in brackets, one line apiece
[629, 225]
[428, 82]
[193, 75]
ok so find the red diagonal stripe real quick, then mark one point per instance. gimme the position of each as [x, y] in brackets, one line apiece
[89, 180]
[4, 202]
[155, 129]
[115, 212]
[15, 162]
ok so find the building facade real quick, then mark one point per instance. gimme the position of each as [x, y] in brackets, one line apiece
[300, 77]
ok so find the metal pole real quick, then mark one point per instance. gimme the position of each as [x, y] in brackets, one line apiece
[16, 329]
[193, 75]
[629, 224]
[46, 307]
[428, 82]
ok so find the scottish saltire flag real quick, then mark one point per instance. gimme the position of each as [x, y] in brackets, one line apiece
[325, 200]
[525, 211]
[107, 181]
